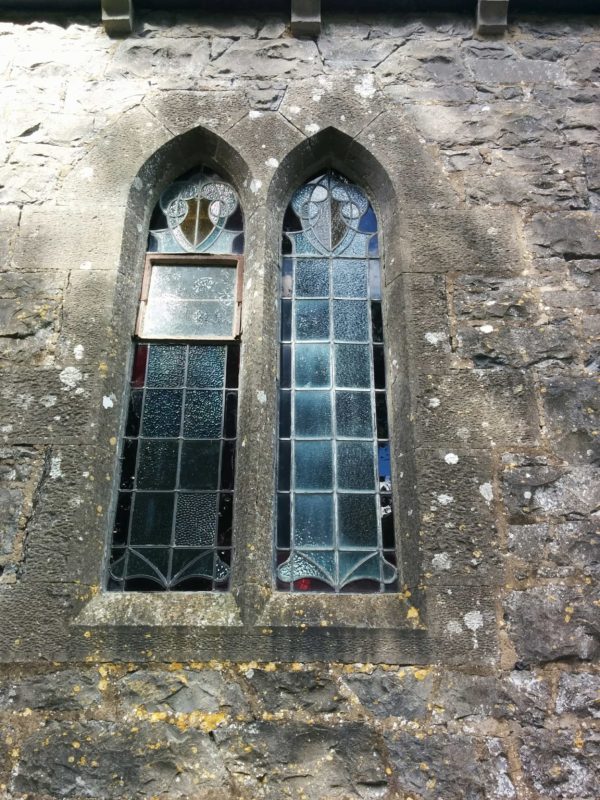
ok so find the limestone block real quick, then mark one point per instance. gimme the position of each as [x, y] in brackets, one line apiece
[549, 550]
[561, 765]
[553, 622]
[311, 691]
[406, 694]
[579, 693]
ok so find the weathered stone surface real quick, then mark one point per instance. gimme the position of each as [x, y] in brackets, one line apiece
[11, 504]
[579, 693]
[551, 550]
[63, 691]
[561, 764]
[572, 410]
[405, 694]
[573, 236]
[108, 760]
[455, 767]
[554, 622]
[315, 760]
[308, 690]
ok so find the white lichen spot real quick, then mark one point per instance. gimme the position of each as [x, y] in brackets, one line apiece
[108, 401]
[527, 495]
[70, 377]
[444, 499]
[55, 464]
[454, 627]
[433, 402]
[486, 328]
[317, 98]
[492, 231]
[312, 128]
[451, 458]
[474, 620]
[486, 491]
[255, 114]
[255, 185]
[78, 351]
[85, 265]
[441, 561]
[261, 397]
[48, 400]
[7, 428]
[366, 88]
[295, 109]
[435, 338]
[272, 162]
[138, 183]
[87, 172]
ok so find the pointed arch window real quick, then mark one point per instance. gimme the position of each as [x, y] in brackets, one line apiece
[174, 511]
[335, 527]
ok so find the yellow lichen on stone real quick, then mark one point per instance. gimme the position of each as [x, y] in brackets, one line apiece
[412, 613]
[421, 674]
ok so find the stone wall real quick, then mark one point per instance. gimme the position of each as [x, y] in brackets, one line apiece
[507, 388]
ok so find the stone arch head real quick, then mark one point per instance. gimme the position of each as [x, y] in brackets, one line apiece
[333, 149]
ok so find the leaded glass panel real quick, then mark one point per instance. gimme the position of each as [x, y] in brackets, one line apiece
[335, 528]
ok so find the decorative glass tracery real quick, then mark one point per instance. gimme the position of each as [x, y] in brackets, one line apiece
[335, 527]
[174, 511]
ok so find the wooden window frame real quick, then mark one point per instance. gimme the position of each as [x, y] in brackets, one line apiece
[191, 260]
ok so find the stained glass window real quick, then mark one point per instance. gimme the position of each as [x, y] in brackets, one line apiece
[335, 528]
[174, 511]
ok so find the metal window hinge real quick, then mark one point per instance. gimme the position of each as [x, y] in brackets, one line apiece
[492, 16]
[306, 17]
[117, 16]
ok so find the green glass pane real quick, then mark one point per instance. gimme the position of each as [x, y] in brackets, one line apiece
[357, 520]
[352, 365]
[313, 520]
[312, 365]
[152, 518]
[162, 412]
[199, 465]
[313, 463]
[351, 320]
[203, 415]
[355, 465]
[312, 319]
[206, 366]
[312, 277]
[196, 519]
[166, 365]
[157, 464]
[312, 414]
[350, 278]
[354, 414]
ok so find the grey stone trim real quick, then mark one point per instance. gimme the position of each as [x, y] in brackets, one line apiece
[492, 16]
[117, 16]
[306, 17]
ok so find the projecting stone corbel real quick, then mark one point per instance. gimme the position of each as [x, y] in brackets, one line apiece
[306, 17]
[117, 16]
[492, 16]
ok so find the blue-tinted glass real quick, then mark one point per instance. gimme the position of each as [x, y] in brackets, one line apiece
[377, 321]
[285, 377]
[202, 418]
[373, 247]
[206, 367]
[283, 520]
[354, 567]
[351, 320]
[357, 247]
[312, 319]
[166, 365]
[286, 320]
[152, 518]
[349, 278]
[199, 465]
[353, 414]
[157, 464]
[162, 412]
[312, 277]
[312, 366]
[285, 414]
[313, 520]
[313, 465]
[357, 520]
[303, 246]
[312, 414]
[379, 366]
[196, 520]
[374, 280]
[285, 459]
[355, 465]
[151, 563]
[368, 222]
[383, 457]
[352, 365]
[287, 272]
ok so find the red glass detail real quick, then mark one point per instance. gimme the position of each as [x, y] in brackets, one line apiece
[138, 377]
[303, 584]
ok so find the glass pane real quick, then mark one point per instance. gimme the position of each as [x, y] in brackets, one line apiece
[128, 463]
[199, 465]
[312, 319]
[157, 466]
[285, 463]
[134, 414]
[313, 520]
[162, 412]
[225, 519]
[354, 414]
[351, 320]
[189, 318]
[313, 465]
[352, 365]
[203, 415]
[283, 520]
[312, 365]
[285, 415]
[196, 519]
[355, 465]
[206, 368]
[286, 320]
[166, 365]
[312, 412]
[186, 282]
[152, 518]
[312, 277]
[349, 278]
[357, 520]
